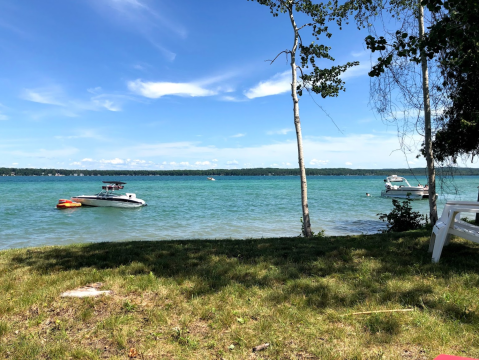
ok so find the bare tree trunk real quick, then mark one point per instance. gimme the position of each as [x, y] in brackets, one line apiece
[431, 172]
[304, 187]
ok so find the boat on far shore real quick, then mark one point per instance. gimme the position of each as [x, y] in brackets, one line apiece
[399, 187]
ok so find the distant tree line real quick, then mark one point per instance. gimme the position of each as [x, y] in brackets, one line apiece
[233, 172]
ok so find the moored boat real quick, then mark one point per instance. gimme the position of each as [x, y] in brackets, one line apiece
[399, 187]
[108, 197]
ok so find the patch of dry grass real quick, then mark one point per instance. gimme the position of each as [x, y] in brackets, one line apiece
[218, 299]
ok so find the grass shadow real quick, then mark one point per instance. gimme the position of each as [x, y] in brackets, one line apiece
[345, 270]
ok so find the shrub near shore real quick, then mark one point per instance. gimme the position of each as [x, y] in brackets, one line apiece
[218, 299]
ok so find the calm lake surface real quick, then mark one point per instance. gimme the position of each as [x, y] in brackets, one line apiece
[191, 207]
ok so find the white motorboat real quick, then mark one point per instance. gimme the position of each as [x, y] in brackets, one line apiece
[399, 187]
[211, 179]
[108, 197]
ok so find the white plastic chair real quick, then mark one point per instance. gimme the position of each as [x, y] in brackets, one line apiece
[450, 224]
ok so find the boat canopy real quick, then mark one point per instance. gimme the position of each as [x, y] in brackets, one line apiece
[113, 185]
[394, 178]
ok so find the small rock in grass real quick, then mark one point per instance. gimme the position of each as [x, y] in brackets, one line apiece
[261, 347]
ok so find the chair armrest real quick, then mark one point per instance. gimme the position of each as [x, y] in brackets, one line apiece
[467, 203]
[460, 209]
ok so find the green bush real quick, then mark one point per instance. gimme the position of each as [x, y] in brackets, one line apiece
[402, 218]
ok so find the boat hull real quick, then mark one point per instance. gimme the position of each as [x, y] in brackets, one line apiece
[109, 202]
[413, 194]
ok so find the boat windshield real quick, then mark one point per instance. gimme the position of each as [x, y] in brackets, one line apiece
[399, 184]
[397, 179]
[109, 193]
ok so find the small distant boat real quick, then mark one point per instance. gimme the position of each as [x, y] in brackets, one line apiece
[67, 204]
[404, 190]
[107, 197]
[212, 179]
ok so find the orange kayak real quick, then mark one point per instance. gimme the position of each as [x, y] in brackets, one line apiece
[65, 204]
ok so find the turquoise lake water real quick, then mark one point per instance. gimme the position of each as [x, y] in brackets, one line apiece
[192, 207]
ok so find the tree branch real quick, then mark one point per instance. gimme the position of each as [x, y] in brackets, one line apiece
[329, 116]
[284, 51]
[309, 24]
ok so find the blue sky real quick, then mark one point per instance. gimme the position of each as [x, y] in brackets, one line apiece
[156, 84]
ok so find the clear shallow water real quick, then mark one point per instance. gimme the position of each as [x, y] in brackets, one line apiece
[192, 207]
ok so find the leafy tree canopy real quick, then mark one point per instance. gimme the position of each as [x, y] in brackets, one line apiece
[325, 82]
[454, 41]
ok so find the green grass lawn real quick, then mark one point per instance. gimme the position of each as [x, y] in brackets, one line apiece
[219, 299]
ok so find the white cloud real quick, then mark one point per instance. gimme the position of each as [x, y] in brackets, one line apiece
[155, 90]
[237, 135]
[14, 163]
[349, 163]
[111, 102]
[95, 91]
[107, 104]
[279, 132]
[197, 88]
[278, 84]
[134, 3]
[281, 82]
[166, 21]
[136, 162]
[169, 55]
[358, 149]
[231, 99]
[115, 161]
[152, 20]
[84, 134]
[184, 163]
[47, 96]
[203, 163]
[318, 162]
[54, 95]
